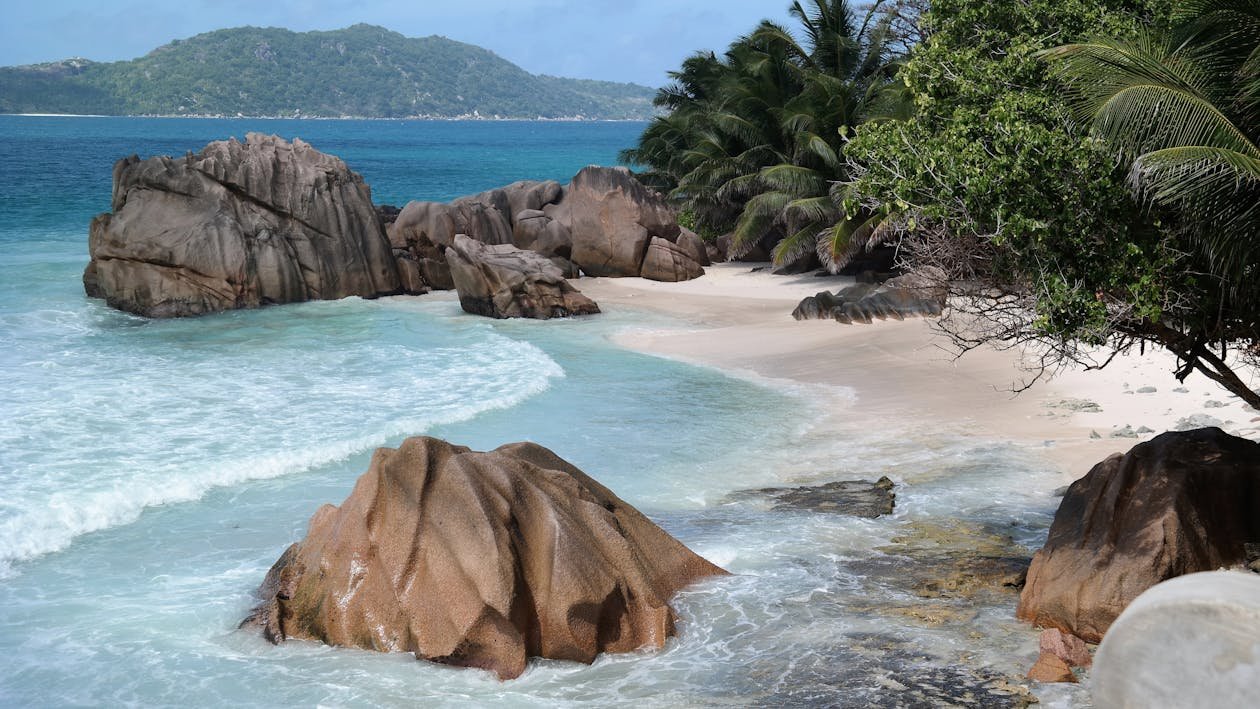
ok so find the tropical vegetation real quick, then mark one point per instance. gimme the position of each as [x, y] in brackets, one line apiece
[1087, 197]
[1083, 174]
[752, 140]
[358, 71]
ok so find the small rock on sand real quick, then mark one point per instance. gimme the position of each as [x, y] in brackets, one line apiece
[1194, 421]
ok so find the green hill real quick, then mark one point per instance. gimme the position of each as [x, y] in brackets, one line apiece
[358, 71]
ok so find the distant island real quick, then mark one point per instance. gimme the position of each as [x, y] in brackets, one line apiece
[361, 71]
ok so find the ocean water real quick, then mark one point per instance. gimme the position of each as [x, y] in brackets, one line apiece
[151, 471]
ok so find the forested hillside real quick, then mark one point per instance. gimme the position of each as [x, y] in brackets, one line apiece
[359, 71]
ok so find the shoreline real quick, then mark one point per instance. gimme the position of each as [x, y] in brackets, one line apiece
[739, 321]
[436, 119]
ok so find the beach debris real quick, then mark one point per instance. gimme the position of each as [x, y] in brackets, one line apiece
[237, 225]
[1147, 390]
[857, 498]
[479, 560]
[1095, 435]
[1181, 390]
[502, 281]
[1179, 503]
[1125, 432]
[1143, 430]
[1213, 404]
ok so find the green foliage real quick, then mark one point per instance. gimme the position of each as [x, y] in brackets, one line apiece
[359, 71]
[1177, 108]
[995, 182]
[752, 142]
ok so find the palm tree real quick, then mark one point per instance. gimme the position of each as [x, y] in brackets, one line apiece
[753, 139]
[1182, 109]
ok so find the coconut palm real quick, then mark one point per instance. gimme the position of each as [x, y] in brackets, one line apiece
[1181, 108]
[753, 139]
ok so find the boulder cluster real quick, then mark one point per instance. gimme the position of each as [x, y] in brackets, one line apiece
[603, 223]
[266, 221]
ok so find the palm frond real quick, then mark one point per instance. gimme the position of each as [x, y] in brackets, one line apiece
[759, 215]
[794, 179]
[803, 241]
[1141, 96]
[811, 209]
[1220, 192]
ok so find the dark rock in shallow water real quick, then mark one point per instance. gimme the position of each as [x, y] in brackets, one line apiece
[857, 498]
[238, 225]
[1179, 503]
[502, 281]
[479, 560]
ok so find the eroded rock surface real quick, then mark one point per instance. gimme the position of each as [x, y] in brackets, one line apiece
[502, 281]
[1179, 503]
[479, 560]
[613, 219]
[911, 295]
[237, 225]
[858, 498]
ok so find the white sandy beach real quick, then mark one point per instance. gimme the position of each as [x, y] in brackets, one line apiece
[740, 321]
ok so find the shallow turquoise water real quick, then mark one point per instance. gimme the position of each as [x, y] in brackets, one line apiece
[152, 471]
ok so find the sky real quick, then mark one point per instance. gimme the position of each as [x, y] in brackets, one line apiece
[614, 40]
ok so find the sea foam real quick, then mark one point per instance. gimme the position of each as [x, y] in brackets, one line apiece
[97, 435]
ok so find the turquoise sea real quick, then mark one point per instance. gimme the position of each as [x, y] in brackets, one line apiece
[152, 471]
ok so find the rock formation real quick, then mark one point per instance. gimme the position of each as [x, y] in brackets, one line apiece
[612, 218]
[1179, 503]
[502, 281]
[911, 295]
[479, 560]
[604, 221]
[669, 262]
[694, 246]
[238, 225]
[859, 498]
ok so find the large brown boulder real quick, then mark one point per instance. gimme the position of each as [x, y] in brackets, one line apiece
[502, 281]
[694, 246]
[1182, 502]
[530, 195]
[669, 262]
[237, 225]
[479, 560]
[612, 219]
